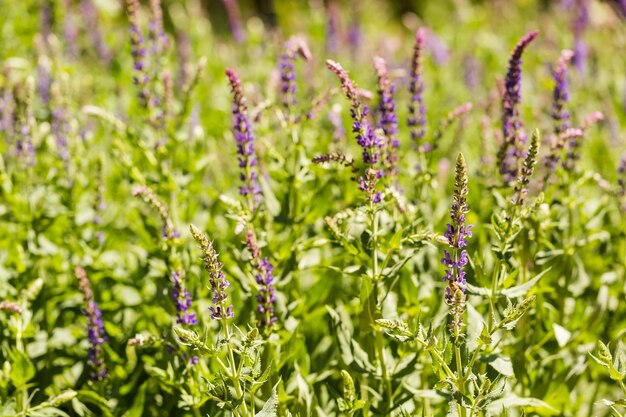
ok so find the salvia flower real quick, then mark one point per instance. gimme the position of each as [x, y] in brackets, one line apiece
[244, 137]
[388, 121]
[234, 19]
[457, 233]
[141, 78]
[156, 32]
[513, 137]
[89, 13]
[521, 188]
[560, 94]
[149, 196]
[579, 27]
[95, 327]
[370, 143]
[288, 87]
[217, 280]
[182, 300]
[417, 108]
[25, 122]
[265, 279]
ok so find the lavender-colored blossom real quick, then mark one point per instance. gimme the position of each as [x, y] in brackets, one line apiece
[371, 144]
[560, 94]
[621, 180]
[60, 130]
[44, 80]
[95, 327]
[234, 19]
[11, 307]
[579, 27]
[265, 279]
[417, 109]
[90, 16]
[70, 31]
[182, 300]
[457, 233]
[513, 137]
[355, 34]
[332, 27]
[156, 31]
[334, 117]
[217, 280]
[46, 20]
[472, 71]
[574, 141]
[141, 78]
[25, 122]
[437, 48]
[244, 138]
[288, 87]
[388, 121]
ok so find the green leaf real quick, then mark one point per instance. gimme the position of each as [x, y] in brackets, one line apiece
[523, 289]
[500, 363]
[138, 404]
[22, 370]
[269, 408]
[561, 334]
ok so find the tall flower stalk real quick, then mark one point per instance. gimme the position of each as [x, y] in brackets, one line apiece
[149, 196]
[560, 94]
[370, 143]
[455, 259]
[217, 279]
[288, 86]
[95, 327]
[141, 78]
[265, 280]
[513, 137]
[417, 108]
[182, 300]
[388, 121]
[244, 138]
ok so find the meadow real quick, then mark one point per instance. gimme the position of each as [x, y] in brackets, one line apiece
[322, 208]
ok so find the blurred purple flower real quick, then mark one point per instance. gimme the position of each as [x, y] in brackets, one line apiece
[95, 327]
[182, 300]
[513, 137]
[388, 121]
[417, 108]
[245, 143]
[234, 19]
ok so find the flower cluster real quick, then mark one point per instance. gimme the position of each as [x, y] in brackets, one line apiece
[521, 188]
[560, 94]
[455, 260]
[288, 87]
[265, 280]
[417, 108]
[149, 196]
[388, 121]
[95, 327]
[370, 143]
[245, 143]
[138, 49]
[182, 300]
[513, 137]
[574, 141]
[621, 181]
[217, 280]
[234, 19]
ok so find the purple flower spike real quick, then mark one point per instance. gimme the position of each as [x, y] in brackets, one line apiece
[417, 109]
[288, 87]
[95, 327]
[621, 181]
[244, 137]
[234, 19]
[388, 121]
[182, 301]
[217, 280]
[455, 260]
[370, 143]
[513, 138]
[138, 48]
[560, 94]
[265, 280]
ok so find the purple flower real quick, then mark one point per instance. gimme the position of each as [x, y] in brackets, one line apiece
[234, 19]
[141, 78]
[457, 233]
[332, 27]
[579, 26]
[288, 87]
[388, 120]
[90, 16]
[217, 280]
[513, 137]
[417, 109]
[44, 80]
[370, 143]
[265, 280]
[245, 143]
[560, 94]
[148, 195]
[182, 300]
[621, 181]
[95, 327]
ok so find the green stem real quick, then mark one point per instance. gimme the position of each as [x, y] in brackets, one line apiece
[460, 383]
[438, 358]
[234, 374]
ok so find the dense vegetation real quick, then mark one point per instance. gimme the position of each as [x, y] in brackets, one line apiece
[358, 211]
